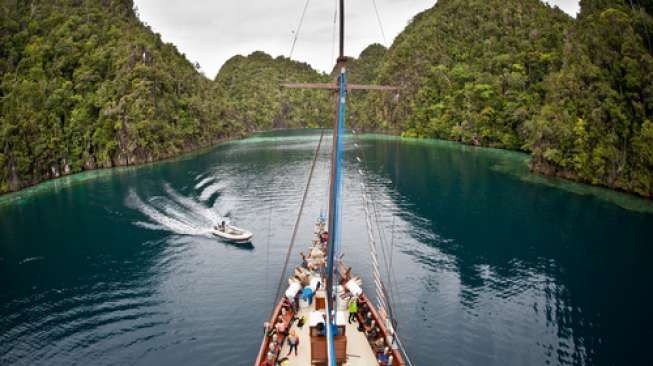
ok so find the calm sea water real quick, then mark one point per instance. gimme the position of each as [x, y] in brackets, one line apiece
[490, 269]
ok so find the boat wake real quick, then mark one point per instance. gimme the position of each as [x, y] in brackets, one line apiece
[175, 213]
[31, 259]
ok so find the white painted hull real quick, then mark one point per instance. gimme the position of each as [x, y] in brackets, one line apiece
[233, 234]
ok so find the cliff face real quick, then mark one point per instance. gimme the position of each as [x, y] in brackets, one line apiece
[86, 85]
[254, 99]
[576, 93]
[596, 124]
[471, 70]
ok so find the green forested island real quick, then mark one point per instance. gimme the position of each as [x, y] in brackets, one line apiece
[85, 84]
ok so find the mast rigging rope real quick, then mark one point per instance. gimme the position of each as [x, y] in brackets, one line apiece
[299, 216]
[383, 295]
[335, 27]
[299, 28]
[378, 19]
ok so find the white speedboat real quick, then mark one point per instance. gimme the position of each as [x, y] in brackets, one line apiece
[232, 233]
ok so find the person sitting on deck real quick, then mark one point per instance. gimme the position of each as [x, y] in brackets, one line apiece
[293, 342]
[281, 328]
[321, 328]
[273, 347]
[379, 344]
[373, 332]
[383, 359]
[304, 260]
[368, 319]
[267, 329]
[268, 360]
[364, 308]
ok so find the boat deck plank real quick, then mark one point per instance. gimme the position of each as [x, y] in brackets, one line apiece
[359, 352]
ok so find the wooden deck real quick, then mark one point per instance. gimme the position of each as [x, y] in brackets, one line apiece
[354, 349]
[359, 352]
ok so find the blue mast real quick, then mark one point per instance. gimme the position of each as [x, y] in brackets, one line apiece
[334, 219]
[334, 196]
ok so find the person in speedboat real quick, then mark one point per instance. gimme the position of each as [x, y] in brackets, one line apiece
[221, 227]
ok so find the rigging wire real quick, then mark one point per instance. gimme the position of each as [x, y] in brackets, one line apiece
[299, 216]
[392, 249]
[382, 240]
[267, 252]
[335, 27]
[378, 19]
[299, 28]
[390, 290]
[385, 293]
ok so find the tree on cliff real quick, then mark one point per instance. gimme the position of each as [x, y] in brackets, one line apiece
[472, 70]
[254, 99]
[86, 84]
[597, 121]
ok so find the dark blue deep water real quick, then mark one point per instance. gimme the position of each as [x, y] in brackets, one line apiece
[492, 267]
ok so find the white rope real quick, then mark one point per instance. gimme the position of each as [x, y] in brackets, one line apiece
[378, 19]
[335, 26]
[376, 274]
[380, 289]
[299, 28]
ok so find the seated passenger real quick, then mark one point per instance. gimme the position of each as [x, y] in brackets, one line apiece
[281, 328]
[321, 328]
[269, 360]
[304, 260]
[368, 319]
[383, 359]
[379, 343]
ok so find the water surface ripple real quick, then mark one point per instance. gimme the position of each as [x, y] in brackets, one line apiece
[490, 268]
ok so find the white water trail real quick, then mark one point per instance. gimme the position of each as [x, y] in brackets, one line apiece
[210, 190]
[164, 213]
[223, 206]
[204, 181]
[193, 206]
[150, 226]
[172, 210]
[31, 259]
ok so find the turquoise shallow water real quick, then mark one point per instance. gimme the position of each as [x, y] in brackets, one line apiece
[494, 266]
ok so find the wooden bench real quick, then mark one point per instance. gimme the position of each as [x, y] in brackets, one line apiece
[319, 351]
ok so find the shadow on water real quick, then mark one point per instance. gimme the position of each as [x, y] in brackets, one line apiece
[119, 270]
[243, 246]
[523, 255]
[491, 270]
